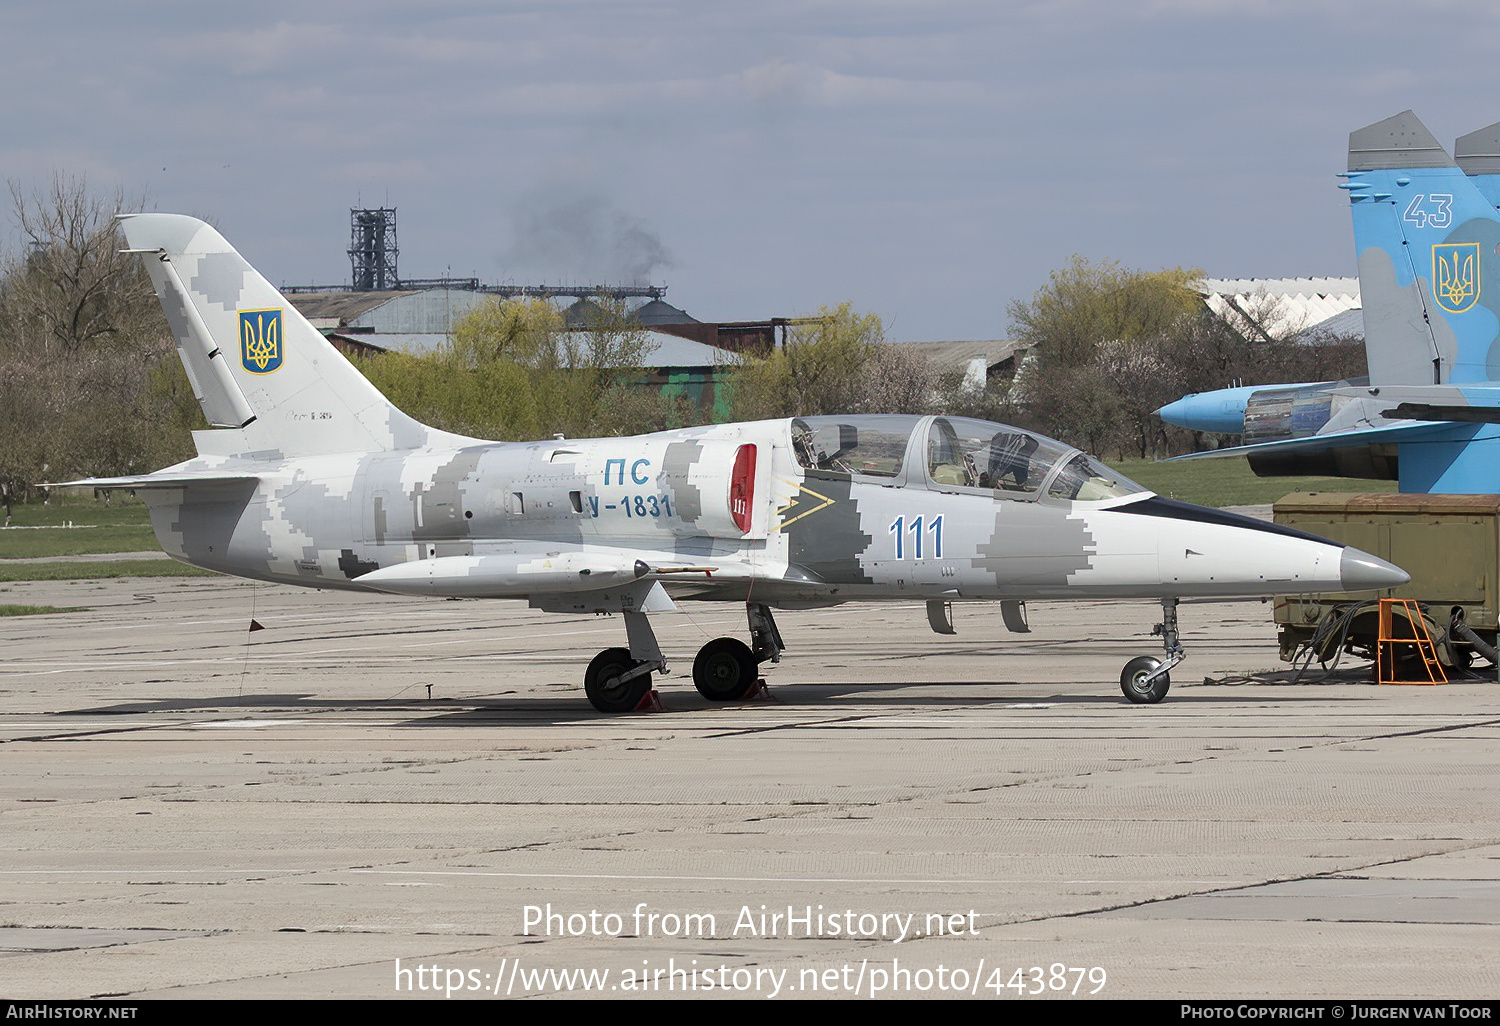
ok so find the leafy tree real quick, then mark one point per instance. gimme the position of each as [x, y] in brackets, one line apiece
[1085, 304]
[1113, 345]
[836, 361]
[512, 369]
[1097, 332]
[523, 332]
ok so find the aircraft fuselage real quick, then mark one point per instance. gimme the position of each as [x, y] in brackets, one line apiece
[729, 512]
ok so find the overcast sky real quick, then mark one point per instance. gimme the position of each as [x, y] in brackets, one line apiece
[926, 161]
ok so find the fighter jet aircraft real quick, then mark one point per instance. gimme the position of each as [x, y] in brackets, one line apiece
[311, 477]
[1425, 234]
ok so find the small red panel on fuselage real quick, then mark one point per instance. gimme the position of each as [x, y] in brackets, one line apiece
[742, 487]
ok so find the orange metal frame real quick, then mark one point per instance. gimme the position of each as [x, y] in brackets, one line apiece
[1386, 646]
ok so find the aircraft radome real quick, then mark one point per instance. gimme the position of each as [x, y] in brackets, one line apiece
[311, 477]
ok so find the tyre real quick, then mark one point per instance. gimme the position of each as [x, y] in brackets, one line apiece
[1133, 681]
[725, 670]
[601, 682]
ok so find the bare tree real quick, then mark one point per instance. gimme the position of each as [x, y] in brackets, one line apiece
[72, 288]
[89, 381]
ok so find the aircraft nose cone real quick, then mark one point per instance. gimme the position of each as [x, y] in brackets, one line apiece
[1174, 412]
[1360, 571]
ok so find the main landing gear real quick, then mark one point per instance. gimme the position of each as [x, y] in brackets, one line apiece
[725, 670]
[1144, 679]
[615, 682]
[618, 679]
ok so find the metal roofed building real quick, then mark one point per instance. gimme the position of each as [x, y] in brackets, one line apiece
[674, 361]
[979, 361]
[1304, 306]
[402, 312]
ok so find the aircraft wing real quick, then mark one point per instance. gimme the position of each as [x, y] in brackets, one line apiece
[1465, 404]
[1410, 430]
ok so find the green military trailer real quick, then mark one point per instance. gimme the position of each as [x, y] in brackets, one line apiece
[1450, 544]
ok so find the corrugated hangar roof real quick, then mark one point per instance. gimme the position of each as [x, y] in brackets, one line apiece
[1282, 286]
[1293, 304]
[337, 309]
[665, 350]
[956, 355]
[430, 310]
[1350, 323]
[662, 350]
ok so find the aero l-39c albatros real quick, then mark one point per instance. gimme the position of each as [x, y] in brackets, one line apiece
[311, 477]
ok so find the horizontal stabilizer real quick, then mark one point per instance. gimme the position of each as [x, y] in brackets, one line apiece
[165, 480]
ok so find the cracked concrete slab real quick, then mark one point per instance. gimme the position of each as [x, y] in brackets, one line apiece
[1338, 899]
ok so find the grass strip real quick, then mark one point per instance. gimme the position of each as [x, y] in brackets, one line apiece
[101, 570]
[1231, 482]
[81, 541]
[37, 610]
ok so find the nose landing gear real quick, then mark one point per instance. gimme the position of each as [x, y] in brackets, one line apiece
[1145, 679]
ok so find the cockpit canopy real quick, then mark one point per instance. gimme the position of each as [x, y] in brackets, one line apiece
[954, 454]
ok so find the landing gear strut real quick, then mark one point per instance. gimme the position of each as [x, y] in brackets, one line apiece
[726, 669]
[619, 678]
[1144, 679]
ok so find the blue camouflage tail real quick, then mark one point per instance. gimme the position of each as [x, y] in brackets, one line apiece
[1426, 237]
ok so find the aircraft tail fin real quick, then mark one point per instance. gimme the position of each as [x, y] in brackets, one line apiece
[1425, 237]
[257, 366]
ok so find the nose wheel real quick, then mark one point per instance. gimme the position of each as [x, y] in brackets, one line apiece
[1145, 679]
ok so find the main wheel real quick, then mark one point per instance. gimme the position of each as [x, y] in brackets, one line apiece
[725, 670]
[1133, 681]
[601, 682]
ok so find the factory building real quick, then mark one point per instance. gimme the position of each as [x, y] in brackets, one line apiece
[674, 362]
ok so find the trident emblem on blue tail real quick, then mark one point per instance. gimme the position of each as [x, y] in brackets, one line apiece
[1455, 275]
[260, 340]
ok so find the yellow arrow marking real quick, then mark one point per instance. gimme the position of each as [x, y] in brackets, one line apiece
[807, 513]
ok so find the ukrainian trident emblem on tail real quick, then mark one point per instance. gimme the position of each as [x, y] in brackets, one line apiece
[260, 340]
[1455, 275]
